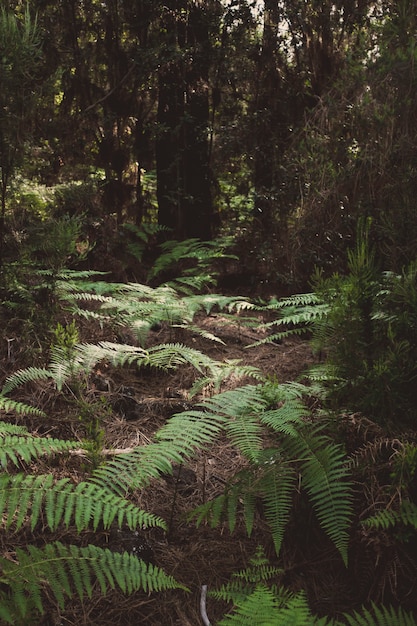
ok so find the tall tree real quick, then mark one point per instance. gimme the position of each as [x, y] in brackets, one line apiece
[20, 59]
[182, 148]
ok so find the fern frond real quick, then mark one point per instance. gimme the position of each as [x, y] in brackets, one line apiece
[299, 313]
[170, 355]
[296, 300]
[406, 515]
[62, 502]
[200, 332]
[24, 376]
[287, 418]
[135, 470]
[16, 447]
[278, 337]
[21, 408]
[73, 570]
[325, 478]
[381, 616]
[220, 372]
[263, 608]
[13, 429]
[277, 486]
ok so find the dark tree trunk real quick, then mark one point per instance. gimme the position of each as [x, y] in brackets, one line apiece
[169, 148]
[182, 148]
[268, 122]
[198, 207]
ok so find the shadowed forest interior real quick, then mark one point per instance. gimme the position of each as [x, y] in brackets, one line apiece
[208, 309]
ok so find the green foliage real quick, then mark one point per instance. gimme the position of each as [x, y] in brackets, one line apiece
[140, 307]
[381, 616]
[406, 515]
[301, 453]
[200, 256]
[297, 315]
[27, 500]
[71, 571]
[25, 447]
[141, 237]
[365, 326]
[259, 601]
[369, 339]
[57, 502]
[7, 405]
[265, 606]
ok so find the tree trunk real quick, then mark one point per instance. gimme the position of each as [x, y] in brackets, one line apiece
[182, 147]
[267, 121]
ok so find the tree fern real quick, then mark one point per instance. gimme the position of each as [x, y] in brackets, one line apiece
[71, 570]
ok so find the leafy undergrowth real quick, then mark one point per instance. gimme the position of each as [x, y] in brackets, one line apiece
[130, 406]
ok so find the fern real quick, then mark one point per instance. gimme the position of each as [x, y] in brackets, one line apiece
[63, 502]
[388, 518]
[258, 600]
[381, 616]
[324, 473]
[24, 376]
[64, 367]
[297, 315]
[266, 606]
[27, 447]
[273, 472]
[12, 406]
[71, 570]
[203, 253]
[12, 429]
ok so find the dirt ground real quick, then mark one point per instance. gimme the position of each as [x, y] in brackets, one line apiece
[140, 403]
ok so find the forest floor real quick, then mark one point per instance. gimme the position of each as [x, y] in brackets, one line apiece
[138, 403]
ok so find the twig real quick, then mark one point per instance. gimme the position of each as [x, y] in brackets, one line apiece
[104, 451]
[203, 611]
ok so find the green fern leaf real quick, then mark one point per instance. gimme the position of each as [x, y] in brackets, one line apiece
[324, 476]
[388, 518]
[381, 616]
[14, 447]
[63, 502]
[13, 429]
[71, 569]
[12, 406]
[24, 376]
[263, 608]
[277, 488]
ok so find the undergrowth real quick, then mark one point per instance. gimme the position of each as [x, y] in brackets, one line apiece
[285, 433]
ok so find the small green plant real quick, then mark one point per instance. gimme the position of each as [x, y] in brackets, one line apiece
[364, 327]
[259, 599]
[65, 338]
[192, 262]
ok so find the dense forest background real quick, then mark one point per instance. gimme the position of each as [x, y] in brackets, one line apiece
[280, 123]
[192, 191]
